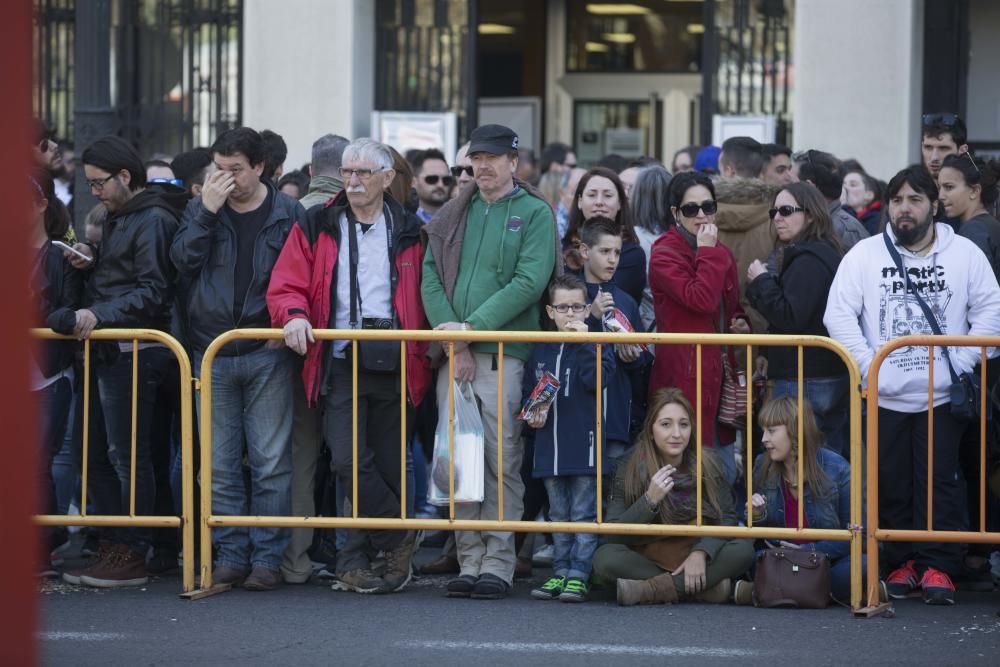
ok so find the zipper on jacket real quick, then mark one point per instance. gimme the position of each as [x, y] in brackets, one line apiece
[566, 382]
[555, 418]
[479, 248]
[591, 459]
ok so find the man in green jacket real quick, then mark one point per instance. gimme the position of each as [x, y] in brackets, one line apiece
[490, 254]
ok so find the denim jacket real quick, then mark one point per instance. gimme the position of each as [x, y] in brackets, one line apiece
[830, 511]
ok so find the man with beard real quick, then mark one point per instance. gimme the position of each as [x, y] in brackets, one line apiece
[433, 182]
[871, 302]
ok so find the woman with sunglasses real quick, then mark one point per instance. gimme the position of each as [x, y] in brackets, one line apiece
[793, 299]
[695, 290]
[601, 193]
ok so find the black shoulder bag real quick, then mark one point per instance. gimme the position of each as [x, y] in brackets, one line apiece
[965, 388]
[374, 356]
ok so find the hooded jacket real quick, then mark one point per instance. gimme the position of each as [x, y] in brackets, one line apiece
[489, 264]
[793, 302]
[56, 289]
[304, 284]
[689, 289]
[131, 284]
[204, 252]
[567, 444]
[745, 228]
[869, 305]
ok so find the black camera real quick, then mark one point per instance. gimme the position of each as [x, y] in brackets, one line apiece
[376, 323]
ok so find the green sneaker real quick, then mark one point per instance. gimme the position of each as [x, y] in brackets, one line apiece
[550, 590]
[575, 590]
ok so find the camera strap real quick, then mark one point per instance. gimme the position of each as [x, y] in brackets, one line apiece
[357, 312]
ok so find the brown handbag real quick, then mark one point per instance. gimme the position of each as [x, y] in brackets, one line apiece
[792, 578]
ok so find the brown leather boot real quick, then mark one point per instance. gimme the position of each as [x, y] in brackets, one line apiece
[658, 590]
[718, 594]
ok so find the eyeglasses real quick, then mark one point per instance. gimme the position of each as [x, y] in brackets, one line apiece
[98, 183]
[564, 308]
[946, 119]
[457, 171]
[45, 145]
[363, 174]
[785, 211]
[432, 179]
[690, 210]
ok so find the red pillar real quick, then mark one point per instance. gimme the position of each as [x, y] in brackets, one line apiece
[19, 494]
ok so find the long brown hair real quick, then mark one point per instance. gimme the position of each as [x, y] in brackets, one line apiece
[784, 412]
[646, 459]
[819, 224]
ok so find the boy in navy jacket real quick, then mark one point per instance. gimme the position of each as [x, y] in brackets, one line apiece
[566, 445]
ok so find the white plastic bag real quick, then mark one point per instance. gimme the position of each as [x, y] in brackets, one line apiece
[470, 443]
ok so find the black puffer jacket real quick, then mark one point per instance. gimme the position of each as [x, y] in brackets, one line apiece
[204, 252]
[131, 283]
[793, 302]
[57, 289]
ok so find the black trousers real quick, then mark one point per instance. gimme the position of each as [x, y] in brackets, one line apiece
[902, 480]
[379, 460]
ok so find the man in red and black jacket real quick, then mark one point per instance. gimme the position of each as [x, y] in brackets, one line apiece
[356, 263]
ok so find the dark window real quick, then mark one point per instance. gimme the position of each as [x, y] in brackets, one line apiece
[511, 48]
[639, 36]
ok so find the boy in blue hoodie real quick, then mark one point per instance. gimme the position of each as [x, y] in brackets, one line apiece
[601, 249]
[565, 439]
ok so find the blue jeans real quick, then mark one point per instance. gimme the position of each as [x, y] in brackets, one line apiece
[573, 499]
[252, 404]
[829, 399]
[110, 449]
[54, 404]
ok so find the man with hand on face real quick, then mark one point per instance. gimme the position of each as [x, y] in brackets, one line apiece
[130, 285]
[875, 297]
[226, 248]
[490, 254]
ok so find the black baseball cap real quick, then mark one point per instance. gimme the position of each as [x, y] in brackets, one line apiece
[495, 139]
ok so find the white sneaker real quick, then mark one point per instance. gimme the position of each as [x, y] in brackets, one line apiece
[544, 556]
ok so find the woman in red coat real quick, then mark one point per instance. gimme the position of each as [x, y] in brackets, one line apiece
[695, 290]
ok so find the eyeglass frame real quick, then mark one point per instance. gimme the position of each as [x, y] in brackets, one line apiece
[700, 207]
[457, 170]
[99, 183]
[777, 209]
[446, 181]
[947, 119]
[564, 308]
[362, 174]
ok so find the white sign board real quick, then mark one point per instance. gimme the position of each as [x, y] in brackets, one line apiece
[761, 128]
[406, 130]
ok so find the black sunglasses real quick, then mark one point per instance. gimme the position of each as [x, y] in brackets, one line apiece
[785, 211]
[946, 119]
[432, 179]
[690, 210]
[457, 171]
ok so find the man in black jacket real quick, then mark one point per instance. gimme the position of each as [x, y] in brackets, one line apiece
[226, 248]
[130, 285]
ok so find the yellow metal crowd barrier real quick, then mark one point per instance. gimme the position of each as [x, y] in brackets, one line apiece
[877, 534]
[186, 521]
[852, 533]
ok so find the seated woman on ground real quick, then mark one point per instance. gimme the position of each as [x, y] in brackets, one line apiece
[657, 485]
[826, 489]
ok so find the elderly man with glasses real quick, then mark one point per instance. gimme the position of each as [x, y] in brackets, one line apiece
[355, 264]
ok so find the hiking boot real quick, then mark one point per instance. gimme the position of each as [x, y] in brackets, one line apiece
[743, 592]
[398, 564]
[717, 594]
[223, 574]
[123, 567]
[443, 565]
[262, 579]
[461, 586]
[902, 581]
[576, 590]
[103, 550]
[658, 590]
[550, 590]
[937, 587]
[490, 587]
[361, 580]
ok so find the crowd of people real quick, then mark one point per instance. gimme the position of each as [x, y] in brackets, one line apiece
[738, 238]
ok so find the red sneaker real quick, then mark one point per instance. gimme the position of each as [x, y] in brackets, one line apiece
[902, 581]
[937, 587]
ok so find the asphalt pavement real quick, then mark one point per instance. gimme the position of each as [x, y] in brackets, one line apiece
[312, 625]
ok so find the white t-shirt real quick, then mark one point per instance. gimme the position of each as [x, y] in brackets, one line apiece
[374, 277]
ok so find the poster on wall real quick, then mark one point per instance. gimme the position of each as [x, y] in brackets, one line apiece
[420, 130]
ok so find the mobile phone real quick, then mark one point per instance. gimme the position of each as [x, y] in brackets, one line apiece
[66, 246]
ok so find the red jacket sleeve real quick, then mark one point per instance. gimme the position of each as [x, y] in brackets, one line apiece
[288, 290]
[697, 287]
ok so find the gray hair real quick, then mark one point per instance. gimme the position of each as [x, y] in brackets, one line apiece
[327, 154]
[649, 203]
[368, 150]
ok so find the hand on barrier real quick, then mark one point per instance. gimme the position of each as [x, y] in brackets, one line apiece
[216, 190]
[85, 323]
[738, 325]
[708, 235]
[693, 569]
[660, 485]
[465, 365]
[628, 353]
[298, 335]
[454, 326]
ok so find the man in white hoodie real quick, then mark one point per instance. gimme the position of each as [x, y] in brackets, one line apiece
[870, 303]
